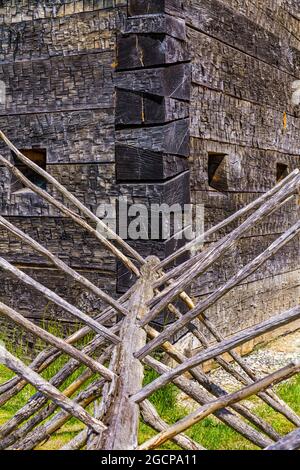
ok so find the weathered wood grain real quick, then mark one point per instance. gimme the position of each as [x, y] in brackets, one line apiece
[64, 209]
[140, 51]
[244, 58]
[47, 389]
[118, 411]
[141, 7]
[173, 81]
[52, 297]
[241, 122]
[173, 138]
[38, 400]
[289, 442]
[269, 397]
[199, 395]
[202, 261]
[16, 12]
[18, 433]
[77, 442]
[46, 357]
[226, 345]
[55, 341]
[136, 108]
[277, 17]
[238, 74]
[283, 262]
[159, 248]
[156, 24]
[135, 164]
[215, 19]
[61, 265]
[152, 418]
[70, 36]
[232, 218]
[67, 136]
[212, 387]
[206, 410]
[61, 237]
[235, 280]
[42, 432]
[219, 206]
[54, 85]
[261, 300]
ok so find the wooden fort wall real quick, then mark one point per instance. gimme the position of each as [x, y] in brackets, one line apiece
[245, 57]
[58, 64]
[131, 99]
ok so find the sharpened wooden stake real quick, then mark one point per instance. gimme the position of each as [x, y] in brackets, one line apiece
[193, 389]
[152, 418]
[34, 412]
[42, 433]
[45, 358]
[208, 384]
[192, 269]
[59, 343]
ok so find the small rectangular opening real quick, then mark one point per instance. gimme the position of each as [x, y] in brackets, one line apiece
[39, 157]
[282, 171]
[217, 171]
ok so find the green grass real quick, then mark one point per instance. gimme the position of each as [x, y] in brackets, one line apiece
[20, 347]
[211, 433]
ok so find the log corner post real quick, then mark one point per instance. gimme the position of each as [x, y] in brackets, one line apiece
[153, 81]
[119, 413]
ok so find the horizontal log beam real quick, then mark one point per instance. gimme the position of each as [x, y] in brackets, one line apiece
[135, 164]
[138, 108]
[156, 24]
[140, 51]
[171, 138]
[141, 7]
[172, 81]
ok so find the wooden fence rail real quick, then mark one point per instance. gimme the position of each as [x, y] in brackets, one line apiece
[122, 343]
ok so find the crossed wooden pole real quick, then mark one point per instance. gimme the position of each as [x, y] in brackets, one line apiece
[122, 341]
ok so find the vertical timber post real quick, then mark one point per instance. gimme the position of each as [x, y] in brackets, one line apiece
[152, 118]
[117, 411]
